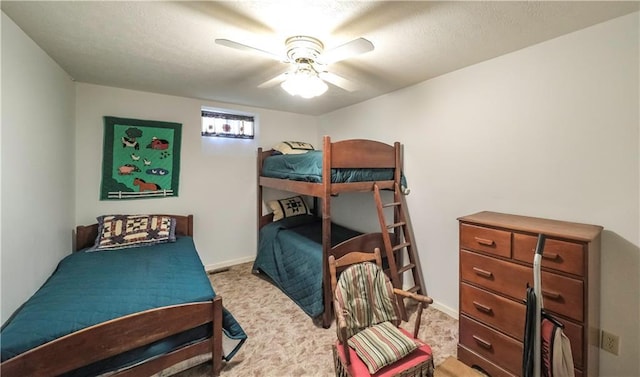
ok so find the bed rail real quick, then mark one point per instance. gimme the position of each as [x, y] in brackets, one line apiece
[114, 337]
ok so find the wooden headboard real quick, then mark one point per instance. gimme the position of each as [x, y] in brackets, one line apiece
[86, 234]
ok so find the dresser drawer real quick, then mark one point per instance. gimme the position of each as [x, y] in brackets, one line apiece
[489, 368]
[560, 294]
[559, 255]
[497, 275]
[574, 333]
[508, 316]
[491, 344]
[476, 361]
[492, 241]
[496, 311]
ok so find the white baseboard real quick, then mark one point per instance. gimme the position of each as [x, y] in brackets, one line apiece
[217, 266]
[408, 283]
[446, 310]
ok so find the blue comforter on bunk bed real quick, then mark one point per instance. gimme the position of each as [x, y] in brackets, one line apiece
[308, 167]
[290, 254]
[89, 288]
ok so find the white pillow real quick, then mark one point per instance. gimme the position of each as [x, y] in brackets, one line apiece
[293, 147]
[289, 207]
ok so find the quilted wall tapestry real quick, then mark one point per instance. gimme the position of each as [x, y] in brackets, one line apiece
[141, 159]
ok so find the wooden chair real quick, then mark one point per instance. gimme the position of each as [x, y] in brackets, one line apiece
[418, 362]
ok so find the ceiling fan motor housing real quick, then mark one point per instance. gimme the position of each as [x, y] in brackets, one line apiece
[303, 49]
[309, 62]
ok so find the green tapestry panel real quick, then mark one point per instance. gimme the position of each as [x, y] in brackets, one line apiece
[141, 159]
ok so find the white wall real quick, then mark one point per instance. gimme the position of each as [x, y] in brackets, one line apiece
[548, 131]
[217, 176]
[37, 166]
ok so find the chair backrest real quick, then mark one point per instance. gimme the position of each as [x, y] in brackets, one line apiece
[363, 295]
[350, 259]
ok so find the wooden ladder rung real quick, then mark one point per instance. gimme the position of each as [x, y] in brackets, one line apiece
[406, 268]
[401, 246]
[414, 289]
[404, 238]
[396, 225]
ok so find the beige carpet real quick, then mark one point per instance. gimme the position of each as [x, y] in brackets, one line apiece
[284, 341]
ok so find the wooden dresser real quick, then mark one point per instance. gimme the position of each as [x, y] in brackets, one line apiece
[496, 258]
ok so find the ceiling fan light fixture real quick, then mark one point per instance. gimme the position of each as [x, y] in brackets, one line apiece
[304, 83]
[310, 62]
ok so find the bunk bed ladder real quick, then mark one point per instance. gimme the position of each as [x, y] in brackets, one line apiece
[401, 232]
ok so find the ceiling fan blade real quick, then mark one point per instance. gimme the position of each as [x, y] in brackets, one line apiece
[274, 81]
[339, 81]
[355, 47]
[243, 47]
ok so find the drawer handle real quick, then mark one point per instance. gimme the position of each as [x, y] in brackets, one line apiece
[482, 342]
[481, 272]
[551, 294]
[550, 256]
[484, 241]
[482, 308]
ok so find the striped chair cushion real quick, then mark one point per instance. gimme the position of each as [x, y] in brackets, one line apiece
[381, 345]
[364, 297]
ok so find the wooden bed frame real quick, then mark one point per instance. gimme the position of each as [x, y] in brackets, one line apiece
[347, 154]
[122, 334]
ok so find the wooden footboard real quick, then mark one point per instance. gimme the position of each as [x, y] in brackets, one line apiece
[364, 242]
[123, 334]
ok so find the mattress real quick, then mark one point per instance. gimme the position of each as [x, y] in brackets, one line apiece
[290, 254]
[308, 167]
[89, 288]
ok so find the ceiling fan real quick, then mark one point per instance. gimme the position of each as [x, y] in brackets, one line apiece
[309, 64]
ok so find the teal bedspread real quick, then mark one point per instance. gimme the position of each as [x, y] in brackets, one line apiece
[89, 288]
[308, 167]
[290, 254]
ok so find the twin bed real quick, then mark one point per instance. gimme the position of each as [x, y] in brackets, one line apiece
[140, 310]
[293, 252]
[124, 311]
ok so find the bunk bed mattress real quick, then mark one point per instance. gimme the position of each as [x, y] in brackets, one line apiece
[308, 167]
[290, 254]
[89, 288]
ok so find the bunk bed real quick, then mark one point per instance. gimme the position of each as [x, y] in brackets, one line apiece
[338, 168]
[122, 311]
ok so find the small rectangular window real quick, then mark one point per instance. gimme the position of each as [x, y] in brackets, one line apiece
[227, 124]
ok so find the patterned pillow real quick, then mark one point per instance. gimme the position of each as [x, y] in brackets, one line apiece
[289, 207]
[381, 345]
[123, 231]
[293, 147]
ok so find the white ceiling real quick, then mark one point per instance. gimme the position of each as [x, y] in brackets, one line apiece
[168, 47]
